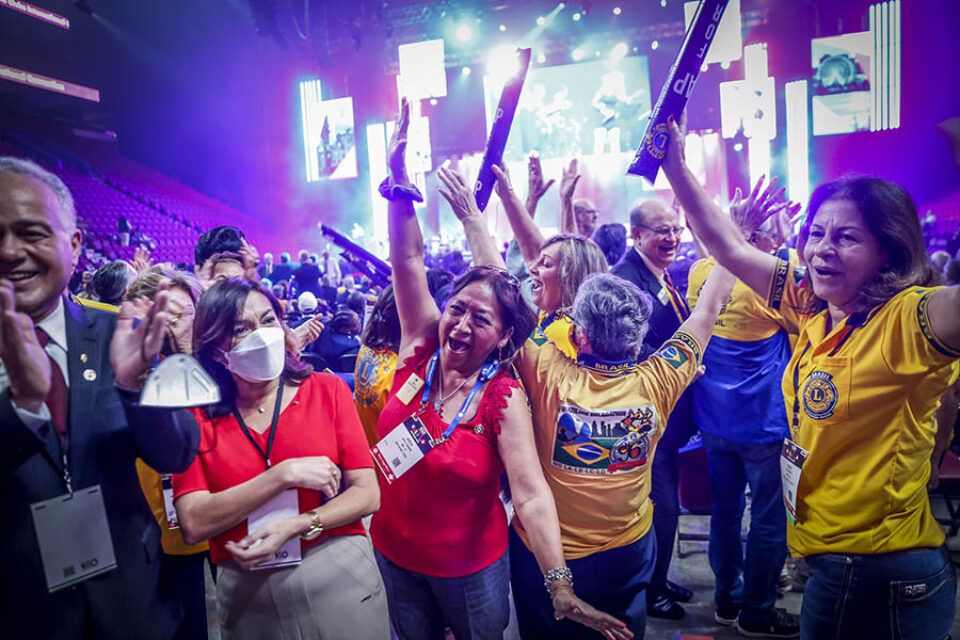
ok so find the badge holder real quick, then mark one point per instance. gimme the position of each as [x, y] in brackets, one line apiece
[74, 537]
[284, 505]
[792, 457]
[178, 382]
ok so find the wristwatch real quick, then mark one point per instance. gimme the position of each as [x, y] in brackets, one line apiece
[392, 191]
[316, 526]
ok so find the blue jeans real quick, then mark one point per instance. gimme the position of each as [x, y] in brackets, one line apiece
[474, 606]
[901, 596]
[733, 466]
[613, 581]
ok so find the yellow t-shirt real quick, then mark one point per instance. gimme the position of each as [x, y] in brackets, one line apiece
[558, 328]
[861, 400]
[596, 426]
[746, 316]
[372, 379]
[170, 539]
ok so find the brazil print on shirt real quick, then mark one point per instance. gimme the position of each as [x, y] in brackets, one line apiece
[595, 441]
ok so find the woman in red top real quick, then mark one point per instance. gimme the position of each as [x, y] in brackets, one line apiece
[441, 535]
[266, 486]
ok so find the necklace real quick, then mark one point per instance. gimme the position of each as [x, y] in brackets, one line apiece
[438, 404]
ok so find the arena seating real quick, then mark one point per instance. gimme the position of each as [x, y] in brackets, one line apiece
[166, 216]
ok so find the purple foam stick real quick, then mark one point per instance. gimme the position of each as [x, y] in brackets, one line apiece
[500, 130]
[677, 89]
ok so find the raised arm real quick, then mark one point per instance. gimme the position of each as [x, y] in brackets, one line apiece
[944, 315]
[536, 187]
[525, 230]
[717, 232]
[418, 313]
[715, 293]
[455, 190]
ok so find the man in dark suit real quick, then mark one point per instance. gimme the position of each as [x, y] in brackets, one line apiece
[656, 232]
[69, 420]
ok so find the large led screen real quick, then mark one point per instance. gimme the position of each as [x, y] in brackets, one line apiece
[329, 143]
[590, 108]
[841, 83]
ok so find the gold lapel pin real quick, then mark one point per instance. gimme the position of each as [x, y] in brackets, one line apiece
[84, 357]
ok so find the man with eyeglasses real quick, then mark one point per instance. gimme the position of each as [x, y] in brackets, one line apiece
[655, 228]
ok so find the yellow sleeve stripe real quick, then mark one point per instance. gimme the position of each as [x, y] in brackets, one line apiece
[778, 284]
[924, 321]
[691, 343]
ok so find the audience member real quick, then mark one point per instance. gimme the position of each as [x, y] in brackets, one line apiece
[266, 269]
[282, 272]
[74, 374]
[283, 473]
[951, 273]
[306, 277]
[109, 282]
[612, 240]
[330, 266]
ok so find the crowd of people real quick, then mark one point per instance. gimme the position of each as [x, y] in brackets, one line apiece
[398, 460]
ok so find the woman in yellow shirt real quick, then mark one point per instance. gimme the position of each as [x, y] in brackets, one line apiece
[878, 347]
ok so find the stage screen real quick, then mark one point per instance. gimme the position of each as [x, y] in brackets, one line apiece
[590, 108]
[329, 142]
[841, 83]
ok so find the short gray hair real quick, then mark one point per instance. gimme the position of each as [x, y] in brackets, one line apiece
[23, 167]
[615, 313]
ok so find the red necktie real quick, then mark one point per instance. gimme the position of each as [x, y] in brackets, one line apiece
[683, 309]
[57, 396]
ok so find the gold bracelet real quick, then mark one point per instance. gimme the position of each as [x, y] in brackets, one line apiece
[316, 526]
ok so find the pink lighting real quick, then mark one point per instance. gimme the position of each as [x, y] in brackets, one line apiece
[37, 12]
[49, 84]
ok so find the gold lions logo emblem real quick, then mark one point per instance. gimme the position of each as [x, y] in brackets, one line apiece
[820, 395]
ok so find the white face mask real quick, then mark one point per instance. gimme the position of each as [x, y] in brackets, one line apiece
[258, 357]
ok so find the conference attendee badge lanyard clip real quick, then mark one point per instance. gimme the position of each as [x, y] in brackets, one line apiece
[285, 505]
[410, 441]
[72, 532]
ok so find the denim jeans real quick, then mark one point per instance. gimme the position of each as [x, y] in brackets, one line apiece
[752, 581]
[613, 581]
[903, 595]
[474, 606]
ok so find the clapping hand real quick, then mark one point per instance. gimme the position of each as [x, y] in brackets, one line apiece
[27, 364]
[308, 331]
[456, 191]
[313, 472]
[141, 260]
[133, 348]
[250, 259]
[566, 604]
[398, 145]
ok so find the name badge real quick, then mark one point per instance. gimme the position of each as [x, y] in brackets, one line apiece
[402, 448]
[74, 537]
[663, 296]
[410, 388]
[792, 457]
[285, 505]
[166, 486]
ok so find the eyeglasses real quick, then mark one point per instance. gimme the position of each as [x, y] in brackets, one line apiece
[510, 278]
[665, 231]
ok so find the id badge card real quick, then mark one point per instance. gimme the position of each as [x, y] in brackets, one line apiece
[402, 448]
[792, 457]
[285, 505]
[663, 296]
[74, 537]
[166, 485]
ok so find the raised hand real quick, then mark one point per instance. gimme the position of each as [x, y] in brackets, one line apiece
[569, 180]
[458, 193]
[133, 348]
[566, 604]
[313, 472]
[308, 331]
[749, 214]
[28, 366]
[251, 258]
[536, 187]
[398, 145]
[141, 260]
[259, 546]
[676, 158]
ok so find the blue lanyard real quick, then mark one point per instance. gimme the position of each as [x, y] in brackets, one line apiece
[486, 373]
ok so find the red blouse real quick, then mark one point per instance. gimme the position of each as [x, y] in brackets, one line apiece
[320, 421]
[444, 517]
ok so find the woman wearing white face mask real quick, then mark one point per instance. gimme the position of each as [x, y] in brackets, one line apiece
[281, 482]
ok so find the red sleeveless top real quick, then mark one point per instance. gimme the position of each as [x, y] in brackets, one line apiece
[444, 517]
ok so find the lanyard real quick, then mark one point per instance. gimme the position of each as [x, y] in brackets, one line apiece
[273, 427]
[63, 472]
[487, 372]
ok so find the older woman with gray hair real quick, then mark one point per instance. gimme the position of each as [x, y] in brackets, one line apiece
[596, 425]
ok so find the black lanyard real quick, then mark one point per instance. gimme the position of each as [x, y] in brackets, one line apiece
[273, 427]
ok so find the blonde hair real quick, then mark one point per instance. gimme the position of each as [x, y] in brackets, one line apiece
[579, 258]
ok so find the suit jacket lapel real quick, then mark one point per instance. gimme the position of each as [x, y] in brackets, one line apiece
[81, 345]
